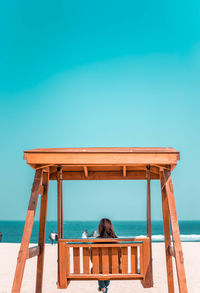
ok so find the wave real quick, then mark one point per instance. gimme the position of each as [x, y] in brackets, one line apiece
[186, 238]
[160, 237]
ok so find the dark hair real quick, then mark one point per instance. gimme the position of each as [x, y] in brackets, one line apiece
[106, 229]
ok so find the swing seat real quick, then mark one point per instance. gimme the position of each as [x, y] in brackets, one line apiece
[104, 259]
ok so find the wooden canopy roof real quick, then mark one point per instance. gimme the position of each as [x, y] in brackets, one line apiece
[103, 163]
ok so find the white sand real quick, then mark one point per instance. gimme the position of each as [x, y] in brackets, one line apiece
[9, 252]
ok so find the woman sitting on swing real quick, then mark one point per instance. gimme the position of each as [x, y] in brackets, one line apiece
[106, 230]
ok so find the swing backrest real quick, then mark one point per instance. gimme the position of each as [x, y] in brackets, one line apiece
[110, 259]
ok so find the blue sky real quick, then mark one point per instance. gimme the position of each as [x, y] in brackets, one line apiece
[109, 73]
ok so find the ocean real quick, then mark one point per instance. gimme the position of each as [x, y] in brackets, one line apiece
[12, 230]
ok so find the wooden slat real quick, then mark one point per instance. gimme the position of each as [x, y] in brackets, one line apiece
[175, 232]
[62, 266]
[115, 260]
[67, 260]
[105, 277]
[104, 245]
[141, 261]
[124, 260]
[42, 231]
[133, 260]
[107, 240]
[166, 224]
[95, 260]
[76, 254]
[33, 251]
[104, 175]
[86, 260]
[105, 261]
[147, 281]
[21, 260]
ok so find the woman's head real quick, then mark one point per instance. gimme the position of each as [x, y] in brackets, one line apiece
[106, 229]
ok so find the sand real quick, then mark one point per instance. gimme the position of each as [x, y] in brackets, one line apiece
[9, 252]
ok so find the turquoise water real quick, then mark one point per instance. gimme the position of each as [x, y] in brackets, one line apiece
[12, 230]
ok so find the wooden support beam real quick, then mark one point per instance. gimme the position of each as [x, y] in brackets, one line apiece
[85, 171]
[42, 232]
[59, 215]
[149, 274]
[166, 223]
[21, 260]
[175, 232]
[124, 171]
[33, 251]
[104, 175]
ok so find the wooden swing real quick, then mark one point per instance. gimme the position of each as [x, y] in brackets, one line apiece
[74, 255]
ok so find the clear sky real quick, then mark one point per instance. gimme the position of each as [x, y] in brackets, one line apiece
[99, 73]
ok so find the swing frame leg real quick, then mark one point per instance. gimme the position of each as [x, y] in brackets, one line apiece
[178, 254]
[23, 252]
[42, 232]
[166, 224]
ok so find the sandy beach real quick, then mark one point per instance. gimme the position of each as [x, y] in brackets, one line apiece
[9, 252]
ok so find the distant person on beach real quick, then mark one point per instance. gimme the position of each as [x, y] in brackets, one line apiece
[106, 230]
[53, 237]
[85, 234]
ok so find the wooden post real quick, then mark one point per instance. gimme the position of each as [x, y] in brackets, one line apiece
[42, 232]
[166, 224]
[150, 271]
[148, 281]
[175, 232]
[60, 213]
[23, 252]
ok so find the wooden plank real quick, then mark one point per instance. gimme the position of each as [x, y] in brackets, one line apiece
[141, 261]
[42, 232]
[21, 260]
[95, 260]
[134, 260]
[104, 175]
[115, 260]
[105, 261]
[147, 281]
[63, 261]
[104, 240]
[99, 158]
[166, 224]
[76, 254]
[86, 260]
[175, 232]
[104, 245]
[33, 251]
[105, 277]
[124, 260]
